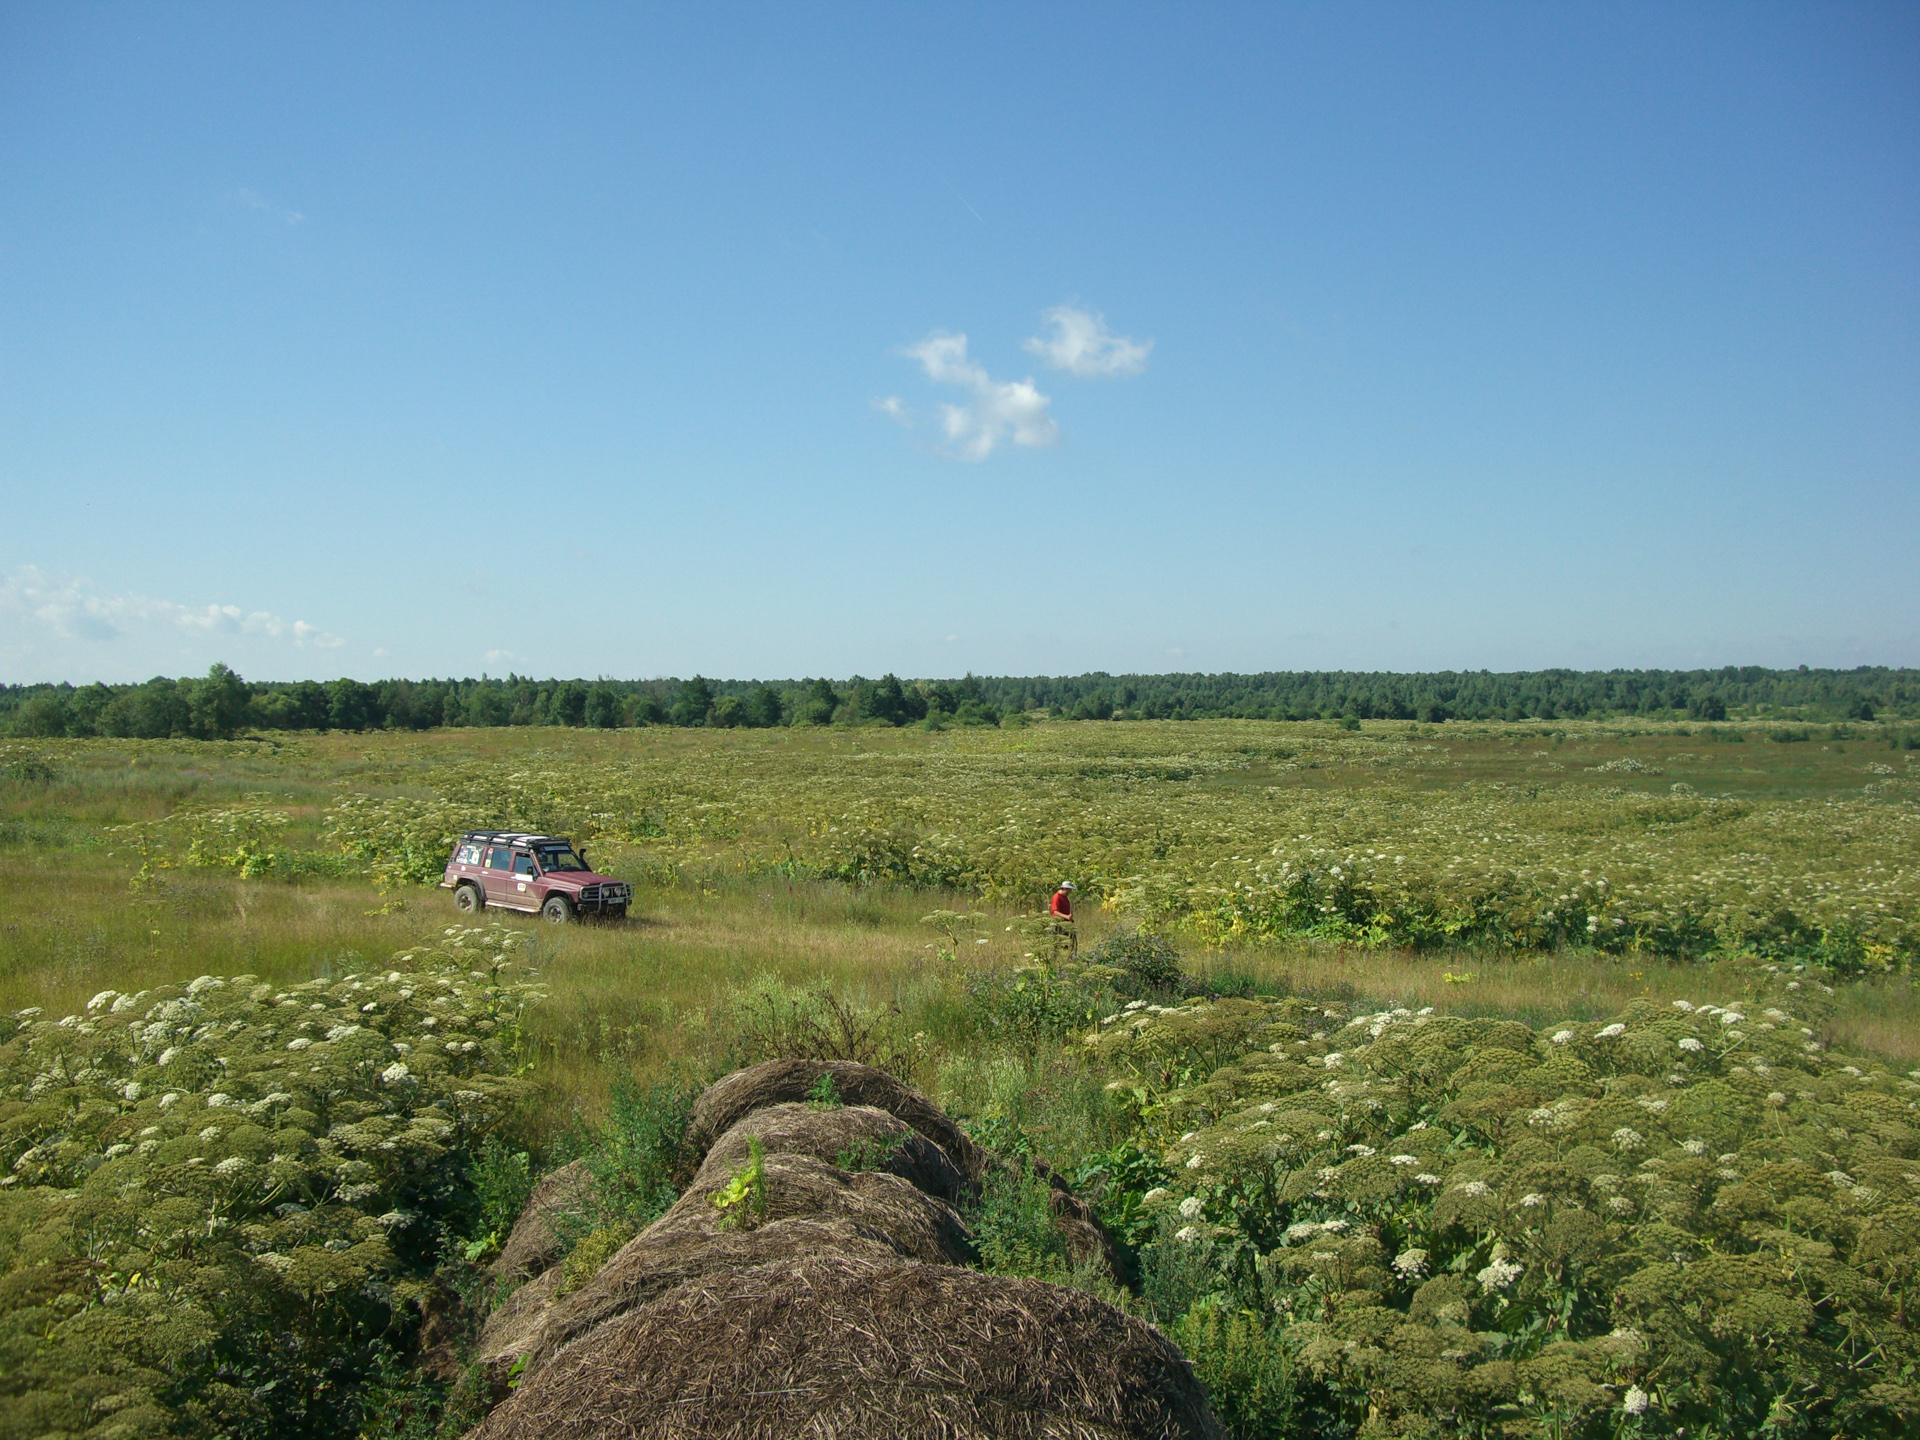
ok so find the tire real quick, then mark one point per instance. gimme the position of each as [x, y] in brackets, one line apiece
[468, 900]
[556, 911]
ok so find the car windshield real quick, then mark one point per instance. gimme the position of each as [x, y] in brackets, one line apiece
[560, 860]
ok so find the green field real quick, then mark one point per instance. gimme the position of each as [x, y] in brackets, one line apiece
[1566, 876]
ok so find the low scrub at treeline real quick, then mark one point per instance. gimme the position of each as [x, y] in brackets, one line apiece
[232, 1209]
[222, 703]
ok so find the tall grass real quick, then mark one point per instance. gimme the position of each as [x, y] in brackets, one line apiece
[639, 1001]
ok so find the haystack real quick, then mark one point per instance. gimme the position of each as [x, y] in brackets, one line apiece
[812, 1208]
[830, 1346]
[781, 1082]
[514, 1326]
[732, 1099]
[836, 1303]
[534, 1242]
[855, 1137]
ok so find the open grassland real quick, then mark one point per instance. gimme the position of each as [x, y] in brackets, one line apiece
[1682, 845]
[1559, 867]
[1617, 1215]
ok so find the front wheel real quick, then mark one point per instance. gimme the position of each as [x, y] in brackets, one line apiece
[556, 911]
[466, 899]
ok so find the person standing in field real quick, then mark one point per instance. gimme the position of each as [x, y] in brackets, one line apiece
[1062, 914]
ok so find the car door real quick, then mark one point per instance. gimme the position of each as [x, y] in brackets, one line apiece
[498, 876]
[525, 896]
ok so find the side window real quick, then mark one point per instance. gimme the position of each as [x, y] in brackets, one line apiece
[499, 858]
[523, 864]
[468, 855]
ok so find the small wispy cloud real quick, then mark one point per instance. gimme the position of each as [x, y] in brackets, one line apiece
[248, 198]
[892, 407]
[1081, 344]
[69, 609]
[995, 410]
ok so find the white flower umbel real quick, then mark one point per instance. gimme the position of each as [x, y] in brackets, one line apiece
[1499, 1275]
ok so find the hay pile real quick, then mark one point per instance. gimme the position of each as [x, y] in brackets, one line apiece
[841, 1307]
[730, 1100]
[534, 1243]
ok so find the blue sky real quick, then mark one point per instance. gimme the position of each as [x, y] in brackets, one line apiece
[407, 339]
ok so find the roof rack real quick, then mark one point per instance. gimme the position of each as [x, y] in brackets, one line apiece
[512, 837]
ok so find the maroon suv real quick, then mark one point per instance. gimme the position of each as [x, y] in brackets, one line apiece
[539, 874]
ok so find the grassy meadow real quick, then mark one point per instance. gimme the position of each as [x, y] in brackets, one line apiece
[876, 892]
[813, 854]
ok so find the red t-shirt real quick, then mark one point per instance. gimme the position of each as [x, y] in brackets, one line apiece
[1062, 905]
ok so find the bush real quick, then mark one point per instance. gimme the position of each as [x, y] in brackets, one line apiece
[1151, 962]
[220, 1201]
[501, 1178]
[1030, 1006]
[771, 1021]
[636, 1154]
[1014, 1226]
[1475, 1225]
[1243, 1368]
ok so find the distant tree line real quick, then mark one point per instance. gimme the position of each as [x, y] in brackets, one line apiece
[222, 704]
[1745, 691]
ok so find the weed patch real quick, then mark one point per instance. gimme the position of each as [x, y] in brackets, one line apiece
[221, 1200]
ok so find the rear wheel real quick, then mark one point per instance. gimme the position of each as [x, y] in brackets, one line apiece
[466, 899]
[556, 911]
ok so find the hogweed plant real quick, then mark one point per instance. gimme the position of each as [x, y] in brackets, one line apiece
[1692, 1219]
[220, 1200]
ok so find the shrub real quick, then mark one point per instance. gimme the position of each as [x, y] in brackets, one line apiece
[501, 1178]
[1151, 962]
[1243, 1368]
[1013, 1225]
[1475, 1225]
[771, 1021]
[220, 1200]
[636, 1153]
[1029, 1006]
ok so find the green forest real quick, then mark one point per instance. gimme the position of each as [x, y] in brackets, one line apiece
[221, 703]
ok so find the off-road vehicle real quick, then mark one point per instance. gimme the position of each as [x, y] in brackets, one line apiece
[539, 874]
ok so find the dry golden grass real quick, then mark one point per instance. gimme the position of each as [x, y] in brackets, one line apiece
[71, 926]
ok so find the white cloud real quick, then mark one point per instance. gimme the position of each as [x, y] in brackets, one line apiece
[1082, 345]
[891, 407]
[68, 609]
[251, 199]
[995, 410]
